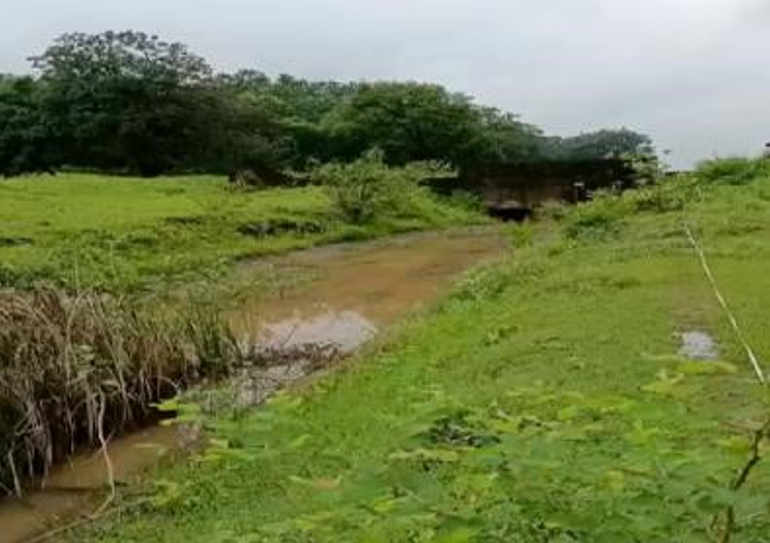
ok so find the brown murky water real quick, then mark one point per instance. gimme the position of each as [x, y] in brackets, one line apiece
[363, 287]
[360, 289]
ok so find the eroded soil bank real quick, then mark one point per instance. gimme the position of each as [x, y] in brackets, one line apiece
[358, 290]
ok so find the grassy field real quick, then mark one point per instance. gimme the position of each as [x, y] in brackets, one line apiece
[124, 234]
[543, 401]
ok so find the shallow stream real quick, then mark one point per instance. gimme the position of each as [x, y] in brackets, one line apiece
[359, 290]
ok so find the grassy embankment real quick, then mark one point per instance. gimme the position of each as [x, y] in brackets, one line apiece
[125, 234]
[544, 400]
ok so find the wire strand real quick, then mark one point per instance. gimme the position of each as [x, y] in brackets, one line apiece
[726, 307]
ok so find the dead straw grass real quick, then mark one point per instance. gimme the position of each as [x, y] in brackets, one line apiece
[77, 368]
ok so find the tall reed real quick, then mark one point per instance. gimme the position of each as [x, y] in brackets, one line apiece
[74, 368]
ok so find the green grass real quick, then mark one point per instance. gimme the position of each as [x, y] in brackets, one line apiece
[543, 400]
[124, 234]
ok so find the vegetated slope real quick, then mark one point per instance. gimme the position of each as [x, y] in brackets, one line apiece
[123, 233]
[544, 400]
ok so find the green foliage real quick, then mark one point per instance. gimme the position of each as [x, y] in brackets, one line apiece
[367, 188]
[733, 171]
[407, 121]
[243, 131]
[129, 102]
[359, 189]
[25, 141]
[619, 143]
[521, 235]
[597, 219]
[552, 210]
[536, 465]
[666, 194]
[414, 122]
[124, 101]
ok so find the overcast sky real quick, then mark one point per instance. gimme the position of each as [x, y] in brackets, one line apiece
[694, 74]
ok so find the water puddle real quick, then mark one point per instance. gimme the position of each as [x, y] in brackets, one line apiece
[360, 289]
[698, 345]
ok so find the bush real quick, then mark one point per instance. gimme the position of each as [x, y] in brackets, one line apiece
[521, 235]
[551, 210]
[596, 219]
[358, 189]
[732, 171]
[466, 200]
[367, 187]
[669, 194]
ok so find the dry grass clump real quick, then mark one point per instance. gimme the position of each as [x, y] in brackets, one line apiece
[77, 369]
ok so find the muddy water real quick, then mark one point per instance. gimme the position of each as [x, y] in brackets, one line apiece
[359, 290]
[363, 288]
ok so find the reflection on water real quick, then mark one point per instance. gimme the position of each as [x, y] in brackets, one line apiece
[699, 345]
[78, 486]
[346, 330]
[361, 289]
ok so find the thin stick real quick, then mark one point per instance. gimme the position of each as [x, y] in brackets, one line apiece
[726, 307]
[742, 477]
[106, 453]
[100, 511]
[16, 481]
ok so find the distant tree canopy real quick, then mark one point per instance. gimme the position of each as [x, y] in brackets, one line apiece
[599, 144]
[25, 136]
[125, 101]
[129, 102]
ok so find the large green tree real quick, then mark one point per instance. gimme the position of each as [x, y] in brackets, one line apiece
[125, 100]
[413, 121]
[27, 142]
[246, 131]
[501, 138]
[298, 105]
[407, 121]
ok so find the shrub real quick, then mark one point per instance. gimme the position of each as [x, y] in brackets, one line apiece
[462, 199]
[358, 190]
[732, 171]
[367, 187]
[596, 219]
[551, 210]
[521, 235]
[669, 194]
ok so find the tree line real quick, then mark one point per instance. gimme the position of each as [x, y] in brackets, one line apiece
[129, 102]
